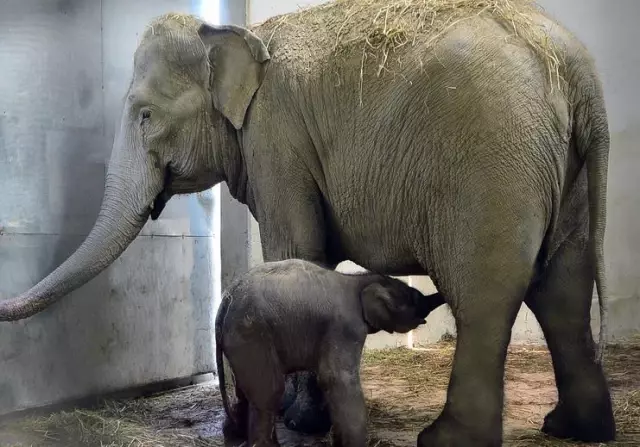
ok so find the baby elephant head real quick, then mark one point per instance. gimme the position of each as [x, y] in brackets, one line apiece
[392, 306]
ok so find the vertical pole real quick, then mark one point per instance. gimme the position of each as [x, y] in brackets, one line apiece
[410, 333]
[209, 11]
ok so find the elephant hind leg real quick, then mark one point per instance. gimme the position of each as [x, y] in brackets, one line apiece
[261, 380]
[235, 425]
[485, 280]
[561, 302]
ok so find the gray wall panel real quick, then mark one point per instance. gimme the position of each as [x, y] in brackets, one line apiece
[50, 92]
[129, 326]
[149, 316]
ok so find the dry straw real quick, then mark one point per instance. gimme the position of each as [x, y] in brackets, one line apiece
[405, 405]
[172, 20]
[420, 374]
[379, 29]
[164, 420]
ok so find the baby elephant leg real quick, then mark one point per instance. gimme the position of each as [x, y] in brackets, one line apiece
[261, 380]
[339, 377]
[262, 428]
[236, 426]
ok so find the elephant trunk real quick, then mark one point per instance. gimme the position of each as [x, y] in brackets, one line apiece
[428, 303]
[130, 190]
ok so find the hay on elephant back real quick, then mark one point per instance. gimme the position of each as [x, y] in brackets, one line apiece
[172, 21]
[379, 28]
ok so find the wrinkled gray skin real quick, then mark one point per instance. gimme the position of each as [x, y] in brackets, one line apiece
[293, 315]
[466, 167]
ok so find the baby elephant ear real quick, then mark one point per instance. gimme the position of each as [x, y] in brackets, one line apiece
[377, 307]
[237, 58]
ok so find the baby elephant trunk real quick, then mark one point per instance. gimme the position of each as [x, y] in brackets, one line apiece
[428, 303]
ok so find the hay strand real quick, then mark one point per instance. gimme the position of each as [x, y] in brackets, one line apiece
[378, 29]
[405, 390]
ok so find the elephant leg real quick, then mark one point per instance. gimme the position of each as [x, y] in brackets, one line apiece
[561, 301]
[236, 426]
[263, 429]
[485, 284]
[261, 379]
[340, 379]
[309, 412]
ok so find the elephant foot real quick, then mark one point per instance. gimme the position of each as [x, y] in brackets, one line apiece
[448, 432]
[595, 424]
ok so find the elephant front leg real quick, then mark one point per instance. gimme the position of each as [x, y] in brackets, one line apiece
[296, 230]
[339, 377]
[472, 415]
[485, 296]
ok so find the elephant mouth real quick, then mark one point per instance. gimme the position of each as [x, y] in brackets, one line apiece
[161, 199]
[158, 204]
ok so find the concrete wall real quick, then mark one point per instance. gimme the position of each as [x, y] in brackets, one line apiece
[65, 68]
[609, 31]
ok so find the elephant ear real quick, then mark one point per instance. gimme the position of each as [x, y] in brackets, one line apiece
[378, 307]
[237, 58]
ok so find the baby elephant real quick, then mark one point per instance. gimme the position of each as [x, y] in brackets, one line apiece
[293, 315]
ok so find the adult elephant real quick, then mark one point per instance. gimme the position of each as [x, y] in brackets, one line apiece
[410, 138]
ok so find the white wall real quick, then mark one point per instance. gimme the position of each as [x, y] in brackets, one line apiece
[608, 30]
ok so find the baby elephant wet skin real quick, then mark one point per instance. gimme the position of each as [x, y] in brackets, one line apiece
[293, 315]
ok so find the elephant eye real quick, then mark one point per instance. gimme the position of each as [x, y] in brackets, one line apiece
[146, 114]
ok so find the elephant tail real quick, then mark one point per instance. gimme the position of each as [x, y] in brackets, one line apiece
[220, 317]
[592, 141]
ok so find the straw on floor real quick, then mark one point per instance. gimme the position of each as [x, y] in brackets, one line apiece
[405, 390]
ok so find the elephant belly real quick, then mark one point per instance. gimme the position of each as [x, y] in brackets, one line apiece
[377, 232]
[375, 251]
[387, 262]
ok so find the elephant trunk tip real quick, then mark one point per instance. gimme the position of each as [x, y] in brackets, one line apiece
[429, 303]
[106, 242]
[20, 308]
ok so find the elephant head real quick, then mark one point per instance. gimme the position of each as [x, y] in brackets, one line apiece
[191, 87]
[392, 306]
